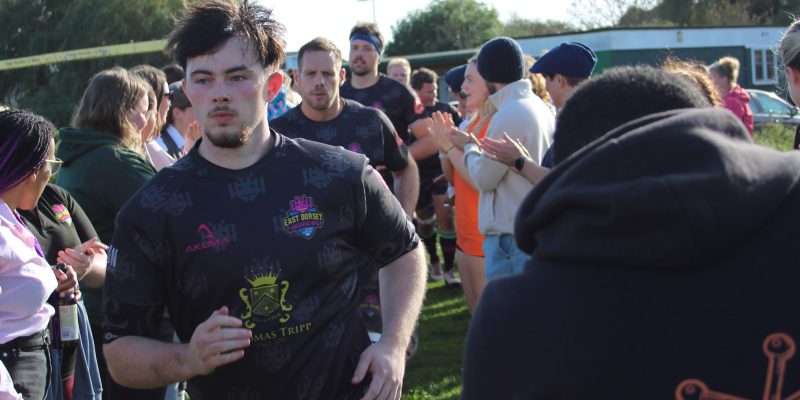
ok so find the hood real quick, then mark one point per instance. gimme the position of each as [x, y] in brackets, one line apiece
[677, 189]
[739, 93]
[76, 142]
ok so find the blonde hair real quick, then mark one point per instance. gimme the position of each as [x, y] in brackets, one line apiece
[696, 74]
[105, 104]
[790, 46]
[399, 62]
[728, 68]
[486, 111]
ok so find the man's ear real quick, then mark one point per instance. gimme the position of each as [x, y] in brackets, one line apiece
[561, 80]
[274, 83]
[342, 76]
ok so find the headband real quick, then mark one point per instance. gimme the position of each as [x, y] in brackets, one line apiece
[368, 37]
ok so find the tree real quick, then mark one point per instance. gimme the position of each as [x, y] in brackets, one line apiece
[520, 27]
[444, 25]
[593, 14]
[45, 26]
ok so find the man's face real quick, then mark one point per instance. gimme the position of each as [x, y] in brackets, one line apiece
[364, 59]
[319, 79]
[427, 94]
[399, 73]
[229, 91]
[182, 118]
[557, 88]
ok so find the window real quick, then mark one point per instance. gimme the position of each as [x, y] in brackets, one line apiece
[772, 105]
[765, 66]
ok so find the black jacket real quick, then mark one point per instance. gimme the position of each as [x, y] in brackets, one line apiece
[662, 266]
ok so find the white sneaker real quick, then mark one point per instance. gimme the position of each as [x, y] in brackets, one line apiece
[450, 278]
[435, 272]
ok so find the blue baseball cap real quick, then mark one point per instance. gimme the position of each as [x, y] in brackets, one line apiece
[570, 59]
[455, 77]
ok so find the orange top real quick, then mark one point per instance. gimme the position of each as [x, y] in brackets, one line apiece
[468, 238]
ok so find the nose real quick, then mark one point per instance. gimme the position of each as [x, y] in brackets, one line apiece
[319, 80]
[220, 94]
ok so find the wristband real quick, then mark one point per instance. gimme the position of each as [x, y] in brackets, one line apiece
[519, 163]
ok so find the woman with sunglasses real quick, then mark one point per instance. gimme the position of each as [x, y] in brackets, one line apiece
[26, 279]
[158, 105]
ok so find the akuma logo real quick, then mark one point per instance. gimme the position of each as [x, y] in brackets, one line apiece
[208, 240]
[303, 219]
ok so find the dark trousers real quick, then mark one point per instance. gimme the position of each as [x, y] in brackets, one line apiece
[27, 360]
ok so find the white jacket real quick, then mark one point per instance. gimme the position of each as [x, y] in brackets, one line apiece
[523, 115]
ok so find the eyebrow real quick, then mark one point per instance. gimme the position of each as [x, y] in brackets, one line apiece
[237, 68]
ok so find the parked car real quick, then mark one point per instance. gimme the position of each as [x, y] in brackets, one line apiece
[769, 108]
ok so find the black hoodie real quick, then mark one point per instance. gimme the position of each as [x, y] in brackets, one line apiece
[662, 263]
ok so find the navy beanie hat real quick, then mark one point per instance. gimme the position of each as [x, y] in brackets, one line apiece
[455, 77]
[501, 61]
[570, 59]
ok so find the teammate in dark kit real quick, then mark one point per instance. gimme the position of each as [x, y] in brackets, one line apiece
[252, 242]
[325, 117]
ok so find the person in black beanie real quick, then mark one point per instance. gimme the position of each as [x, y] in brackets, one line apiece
[522, 115]
[662, 261]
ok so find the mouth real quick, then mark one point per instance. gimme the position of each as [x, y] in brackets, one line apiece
[222, 117]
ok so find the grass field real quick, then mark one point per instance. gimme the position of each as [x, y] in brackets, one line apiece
[435, 371]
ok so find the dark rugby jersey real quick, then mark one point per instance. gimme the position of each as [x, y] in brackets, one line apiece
[357, 128]
[431, 167]
[279, 243]
[391, 97]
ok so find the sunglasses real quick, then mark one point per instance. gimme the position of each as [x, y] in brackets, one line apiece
[55, 165]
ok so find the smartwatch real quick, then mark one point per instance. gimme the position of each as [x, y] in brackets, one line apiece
[519, 163]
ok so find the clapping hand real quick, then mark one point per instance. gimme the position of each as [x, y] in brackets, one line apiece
[505, 150]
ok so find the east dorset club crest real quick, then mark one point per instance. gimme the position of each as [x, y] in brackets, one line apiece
[303, 219]
[265, 297]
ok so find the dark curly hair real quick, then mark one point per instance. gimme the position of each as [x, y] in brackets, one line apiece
[206, 26]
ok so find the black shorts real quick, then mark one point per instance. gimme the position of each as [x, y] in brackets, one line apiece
[428, 188]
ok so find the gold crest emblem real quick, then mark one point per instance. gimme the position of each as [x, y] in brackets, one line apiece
[264, 298]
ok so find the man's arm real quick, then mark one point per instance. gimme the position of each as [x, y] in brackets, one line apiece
[142, 363]
[406, 186]
[424, 146]
[402, 284]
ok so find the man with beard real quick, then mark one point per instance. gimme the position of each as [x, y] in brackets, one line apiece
[325, 117]
[434, 218]
[253, 241]
[373, 89]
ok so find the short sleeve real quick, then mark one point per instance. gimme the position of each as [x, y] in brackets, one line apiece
[383, 230]
[412, 108]
[83, 226]
[134, 293]
[395, 152]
